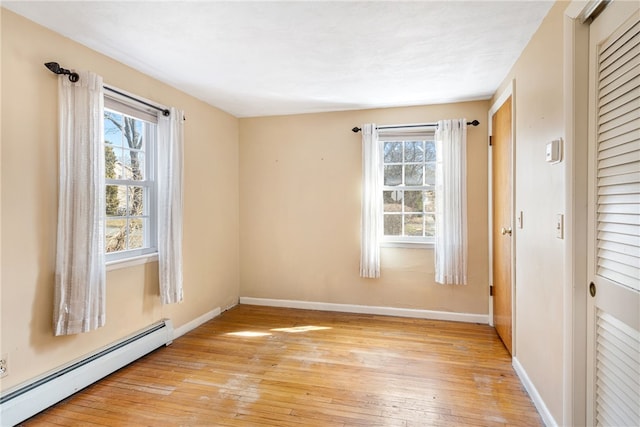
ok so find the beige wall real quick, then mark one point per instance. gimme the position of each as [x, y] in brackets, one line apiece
[540, 195]
[300, 214]
[295, 208]
[29, 206]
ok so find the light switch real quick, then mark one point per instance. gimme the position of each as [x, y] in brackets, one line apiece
[560, 226]
[553, 151]
[520, 220]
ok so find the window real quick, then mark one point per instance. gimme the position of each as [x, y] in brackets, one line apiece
[130, 177]
[408, 192]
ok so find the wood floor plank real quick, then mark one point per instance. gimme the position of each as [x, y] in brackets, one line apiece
[264, 366]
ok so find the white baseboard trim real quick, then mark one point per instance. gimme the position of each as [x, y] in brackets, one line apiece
[189, 326]
[547, 418]
[367, 309]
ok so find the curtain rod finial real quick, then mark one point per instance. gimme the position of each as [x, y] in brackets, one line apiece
[356, 129]
[55, 68]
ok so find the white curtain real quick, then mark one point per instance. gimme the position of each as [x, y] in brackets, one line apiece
[79, 297]
[170, 203]
[451, 202]
[371, 210]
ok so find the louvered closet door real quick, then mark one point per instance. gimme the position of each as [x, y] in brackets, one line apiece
[614, 306]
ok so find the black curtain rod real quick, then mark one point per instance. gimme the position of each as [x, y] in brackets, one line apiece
[55, 68]
[165, 112]
[420, 125]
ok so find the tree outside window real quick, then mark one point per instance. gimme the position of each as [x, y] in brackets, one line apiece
[408, 190]
[128, 187]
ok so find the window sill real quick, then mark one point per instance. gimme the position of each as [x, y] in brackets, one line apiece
[130, 262]
[407, 245]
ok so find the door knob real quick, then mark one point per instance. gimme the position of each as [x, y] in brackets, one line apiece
[505, 231]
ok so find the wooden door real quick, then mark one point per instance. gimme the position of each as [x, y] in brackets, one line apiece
[613, 319]
[501, 146]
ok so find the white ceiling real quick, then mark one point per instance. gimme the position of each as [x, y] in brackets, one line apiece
[257, 58]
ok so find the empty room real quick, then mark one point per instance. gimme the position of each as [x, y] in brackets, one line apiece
[321, 213]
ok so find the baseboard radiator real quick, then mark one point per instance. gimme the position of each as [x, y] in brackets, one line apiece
[26, 400]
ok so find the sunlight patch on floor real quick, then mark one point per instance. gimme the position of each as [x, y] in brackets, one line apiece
[291, 330]
[249, 334]
[298, 329]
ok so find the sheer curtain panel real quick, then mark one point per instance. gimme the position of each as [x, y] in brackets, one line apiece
[170, 202]
[451, 202]
[79, 297]
[371, 210]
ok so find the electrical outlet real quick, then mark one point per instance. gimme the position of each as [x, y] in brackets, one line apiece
[4, 365]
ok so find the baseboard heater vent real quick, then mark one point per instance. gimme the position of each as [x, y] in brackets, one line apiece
[26, 400]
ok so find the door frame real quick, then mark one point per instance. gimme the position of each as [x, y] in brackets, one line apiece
[509, 91]
[576, 115]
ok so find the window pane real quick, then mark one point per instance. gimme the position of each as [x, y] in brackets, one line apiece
[414, 151]
[392, 201]
[136, 233]
[125, 165]
[413, 225]
[410, 165]
[393, 175]
[110, 160]
[129, 159]
[113, 128]
[392, 152]
[133, 165]
[413, 174]
[115, 235]
[393, 225]
[413, 201]
[136, 201]
[430, 174]
[113, 162]
[116, 202]
[132, 132]
[429, 198]
[138, 134]
[430, 151]
[430, 225]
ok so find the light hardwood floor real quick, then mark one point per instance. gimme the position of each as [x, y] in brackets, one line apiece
[262, 366]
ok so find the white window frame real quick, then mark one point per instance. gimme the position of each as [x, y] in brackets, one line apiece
[402, 135]
[124, 106]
